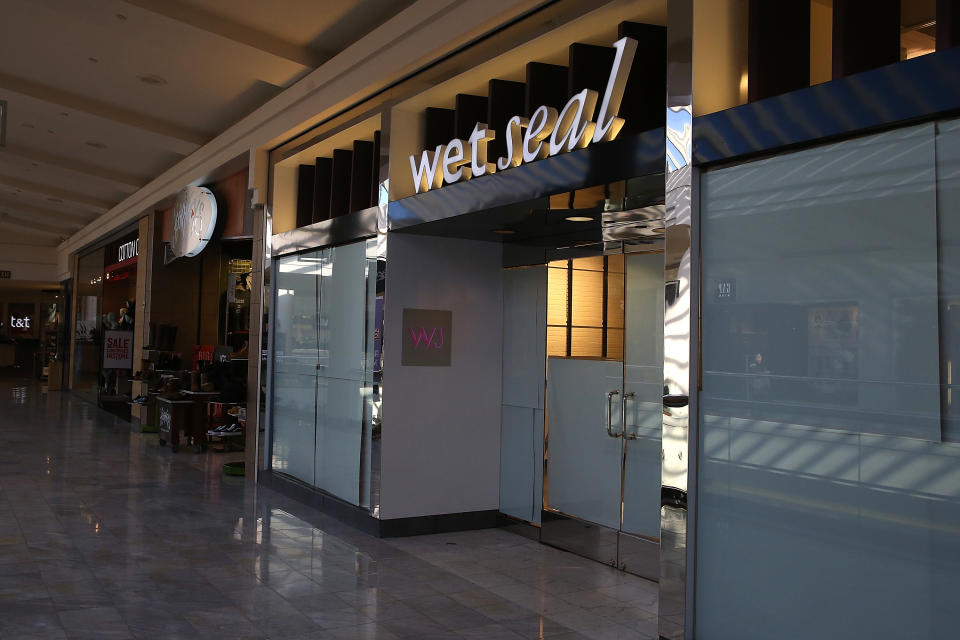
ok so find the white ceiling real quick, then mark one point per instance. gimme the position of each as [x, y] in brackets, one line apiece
[105, 95]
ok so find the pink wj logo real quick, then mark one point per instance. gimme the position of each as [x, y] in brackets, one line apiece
[419, 336]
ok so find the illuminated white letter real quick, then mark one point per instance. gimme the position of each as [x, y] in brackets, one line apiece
[478, 147]
[542, 122]
[453, 159]
[426, 176]
[514, 155]
[608, 124]
[574, 128]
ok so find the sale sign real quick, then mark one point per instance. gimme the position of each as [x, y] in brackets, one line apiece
[117, 349]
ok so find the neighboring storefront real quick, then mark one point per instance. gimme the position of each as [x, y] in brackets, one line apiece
[418, 302]
[31, 339]
[165, 310]
[104, 319]
[193, 362]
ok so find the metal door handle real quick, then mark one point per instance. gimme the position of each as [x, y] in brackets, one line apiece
[610, 431]
[623, 416]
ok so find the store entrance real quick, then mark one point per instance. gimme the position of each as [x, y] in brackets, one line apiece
[582, 366]
[602, 443]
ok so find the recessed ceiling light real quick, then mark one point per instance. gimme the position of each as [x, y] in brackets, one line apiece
[579, 219]
[95, 144]
[503, 232]
[149, 78]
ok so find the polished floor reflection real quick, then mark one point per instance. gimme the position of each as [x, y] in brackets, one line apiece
[105, 535]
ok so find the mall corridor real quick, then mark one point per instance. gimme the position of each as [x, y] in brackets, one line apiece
[105, 535]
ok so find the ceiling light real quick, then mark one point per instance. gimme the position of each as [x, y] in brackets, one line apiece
[579, 219]
[149, 78]
[503, 232]
[95, 144]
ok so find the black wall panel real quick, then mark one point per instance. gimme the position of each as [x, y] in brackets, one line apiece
[644, 104]
[305, 175]
[866, 35]
[321, 189]
[505, 100]
[469, 111]
[361, 175]
[340, 188]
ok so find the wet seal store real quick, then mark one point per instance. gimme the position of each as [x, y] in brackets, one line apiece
[542, 295]
[468, 301]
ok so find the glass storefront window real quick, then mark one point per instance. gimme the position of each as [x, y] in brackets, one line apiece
[829, 499]
[88, 326]
[323, 386]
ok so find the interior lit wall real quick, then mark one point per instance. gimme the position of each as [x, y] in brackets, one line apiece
[719, 55]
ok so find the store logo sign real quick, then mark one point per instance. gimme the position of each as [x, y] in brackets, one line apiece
[431, 340]
[128, 250]
[426, 338]
[545, 133]
[194, 219]
[19, 323]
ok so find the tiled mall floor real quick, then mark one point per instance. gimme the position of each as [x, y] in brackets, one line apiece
[105, 535]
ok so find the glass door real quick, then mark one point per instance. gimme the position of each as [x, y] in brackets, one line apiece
[604, 388]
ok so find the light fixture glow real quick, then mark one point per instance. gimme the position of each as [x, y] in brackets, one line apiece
[503, 232]
[579, 219]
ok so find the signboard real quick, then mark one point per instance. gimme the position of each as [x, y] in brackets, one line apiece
[427, 336]
[117, 349]
[194, 219]
[725, 290]
[544, 133]
[128, 250]
[5, 275]
[21, 318]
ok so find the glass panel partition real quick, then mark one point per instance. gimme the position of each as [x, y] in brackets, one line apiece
[829, 502]
[88, 326]
[295, 361]
[323, 368]
[341, 371]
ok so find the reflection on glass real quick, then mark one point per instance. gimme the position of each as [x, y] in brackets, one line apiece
[828, 499]
[88, 329]
[326, 406]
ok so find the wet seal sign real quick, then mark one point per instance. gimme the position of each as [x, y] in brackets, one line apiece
[544, 133]
[194, 219]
